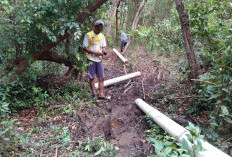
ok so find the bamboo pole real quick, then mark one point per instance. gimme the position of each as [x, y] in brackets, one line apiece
[124, 60]
[177, 131]
[119, 79]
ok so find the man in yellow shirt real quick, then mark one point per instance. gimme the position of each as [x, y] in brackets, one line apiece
[94, 44]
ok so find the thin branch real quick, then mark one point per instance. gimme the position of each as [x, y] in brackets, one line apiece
[198, 80]
[127, 89]
[55, 106]
[56, 151]
[144, 96]
[127, 84]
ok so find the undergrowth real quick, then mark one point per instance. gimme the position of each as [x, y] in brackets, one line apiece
[164, 145]
[49, 142]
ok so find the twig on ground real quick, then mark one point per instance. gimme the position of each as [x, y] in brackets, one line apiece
[41, 153]
[188, 96]
[127, 84]
[154, 60]
[127, 89]
[140, 119]
[226, 140]
[198, 80]
[124, 66]
[55, 106]
[56, 151]
[144, 96]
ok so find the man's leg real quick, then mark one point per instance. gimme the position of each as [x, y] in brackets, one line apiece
[125, 43]
[100, 75]
[101, 86]
[121, 46]
[91, 74]
[92, 85]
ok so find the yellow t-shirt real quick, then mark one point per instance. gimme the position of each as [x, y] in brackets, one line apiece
[94, 42]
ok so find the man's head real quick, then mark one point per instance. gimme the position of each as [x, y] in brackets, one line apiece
[98, 26]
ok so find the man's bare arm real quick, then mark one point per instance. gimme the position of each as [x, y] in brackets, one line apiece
[92, 52]
[104, 51]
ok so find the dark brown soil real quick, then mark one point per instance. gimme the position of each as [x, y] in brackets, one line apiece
[119, 120]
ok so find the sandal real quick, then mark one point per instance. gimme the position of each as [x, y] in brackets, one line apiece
[94, 96]
[103, 98]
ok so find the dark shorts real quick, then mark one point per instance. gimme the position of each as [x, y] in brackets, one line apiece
[123, 45]
[95, 68]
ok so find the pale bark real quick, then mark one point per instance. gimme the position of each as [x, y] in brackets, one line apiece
[188, 40]
[134, 24]
[110, 16]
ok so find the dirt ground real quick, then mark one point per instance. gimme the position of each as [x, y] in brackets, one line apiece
[119, 121]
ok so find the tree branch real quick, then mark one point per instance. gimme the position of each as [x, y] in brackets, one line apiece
[36, 55]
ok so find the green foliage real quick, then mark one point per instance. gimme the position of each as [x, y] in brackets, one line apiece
[165, 146]
[156, 11]
[27, 25]
[14, 143]
[24, 92]
[20, 94]
[71, 92]
[95, 147]
[195, 138]
[211, 26]
[164, 37]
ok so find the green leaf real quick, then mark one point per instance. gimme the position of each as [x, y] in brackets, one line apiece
[215, 96]
[224, 110]
[184, 155]
[226, 90]
[158, 146]
[99, 151]
[87, 147]
[168, 150]
[185, 144]
[190, 137]
[116, 148]
[229, 120]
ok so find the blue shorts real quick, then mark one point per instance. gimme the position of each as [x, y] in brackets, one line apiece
[95, 68]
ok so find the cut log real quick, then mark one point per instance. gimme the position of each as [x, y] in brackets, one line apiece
[119, 79]
[177, 131]
[124, 60]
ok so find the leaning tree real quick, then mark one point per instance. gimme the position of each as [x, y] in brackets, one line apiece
[30, 31]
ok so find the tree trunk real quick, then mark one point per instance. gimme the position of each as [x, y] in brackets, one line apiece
[52, 57]
[134, 24]
[116, 14]
[36, 55]
[122, 16]
[109, 24]
[188, 40]
[110, 16]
